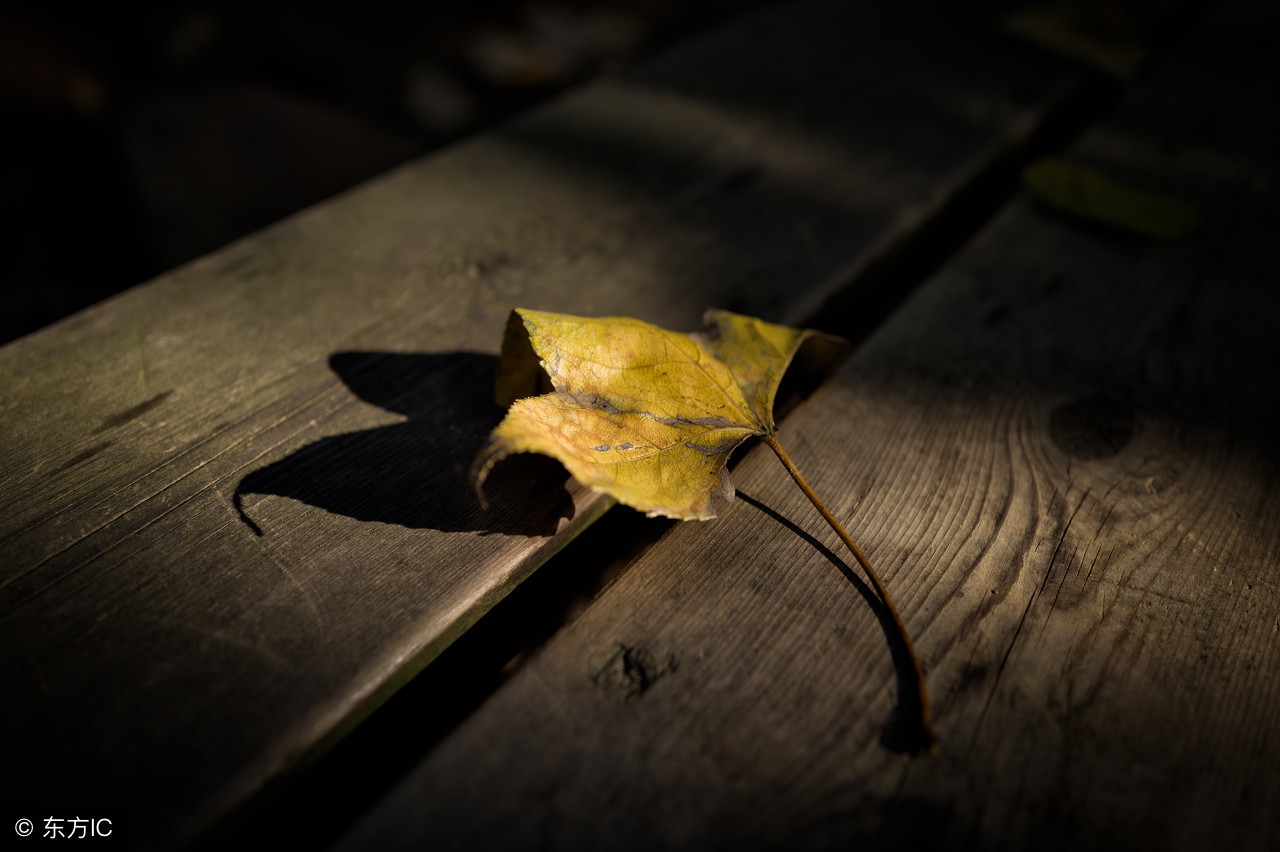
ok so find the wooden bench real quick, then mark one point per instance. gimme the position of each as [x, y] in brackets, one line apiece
[236, 514]
[1062, 452]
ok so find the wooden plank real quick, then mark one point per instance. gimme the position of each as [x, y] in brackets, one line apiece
[156, 650]
[1061, 456]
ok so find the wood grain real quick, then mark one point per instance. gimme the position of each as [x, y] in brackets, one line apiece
[324, 384]
[1061, 456]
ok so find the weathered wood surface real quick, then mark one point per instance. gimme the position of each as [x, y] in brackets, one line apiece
[1061, 455]
[330, 376]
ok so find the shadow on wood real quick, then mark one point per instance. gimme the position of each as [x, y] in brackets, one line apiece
[902, 732]
[416, 473]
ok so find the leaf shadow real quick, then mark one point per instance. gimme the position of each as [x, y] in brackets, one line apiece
[902, 733]
[417, 473]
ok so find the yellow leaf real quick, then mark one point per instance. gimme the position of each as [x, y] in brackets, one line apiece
[1088, 193]
[645, 415]
[650, 416]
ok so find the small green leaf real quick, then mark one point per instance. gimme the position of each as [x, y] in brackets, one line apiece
[1088, 193]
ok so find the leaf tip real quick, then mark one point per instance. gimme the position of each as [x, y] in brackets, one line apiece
[495, 452]
[520, 372]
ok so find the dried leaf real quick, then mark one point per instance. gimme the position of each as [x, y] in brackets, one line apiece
[1095, 32]
[650, 416]
[645, 415]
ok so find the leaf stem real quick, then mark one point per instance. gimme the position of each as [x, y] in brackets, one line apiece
[926, 715]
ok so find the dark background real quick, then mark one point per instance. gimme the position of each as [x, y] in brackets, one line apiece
[140, 136]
